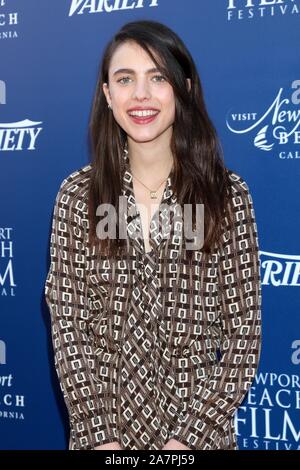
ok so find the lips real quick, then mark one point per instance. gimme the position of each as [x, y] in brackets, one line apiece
[140, 119]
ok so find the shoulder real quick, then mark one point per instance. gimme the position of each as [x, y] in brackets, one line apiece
[241, 210]
[75, 185]
[77, 182]
[240, 191]
[73, 190]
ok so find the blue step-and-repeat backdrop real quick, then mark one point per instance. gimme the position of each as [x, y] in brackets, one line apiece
[248, 56]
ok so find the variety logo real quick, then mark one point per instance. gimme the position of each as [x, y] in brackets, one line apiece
[249, 9]
[78, 7]
[278, 125]
[8, 23]
[270, 416]
[19, 135]
[280, 270]
[7, 282]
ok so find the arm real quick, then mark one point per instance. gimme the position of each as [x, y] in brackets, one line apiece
[214, 402]
[66, 294]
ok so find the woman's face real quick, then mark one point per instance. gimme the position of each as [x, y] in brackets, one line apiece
[142, 101]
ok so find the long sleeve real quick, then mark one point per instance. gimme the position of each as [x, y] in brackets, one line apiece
[67, 296]
[214, 402]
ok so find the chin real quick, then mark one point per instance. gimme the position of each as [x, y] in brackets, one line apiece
[146, 136]
[140, 138]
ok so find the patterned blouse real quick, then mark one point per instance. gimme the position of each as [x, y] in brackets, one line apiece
[148, 346]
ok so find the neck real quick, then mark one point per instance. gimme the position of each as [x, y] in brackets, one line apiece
[150, 161]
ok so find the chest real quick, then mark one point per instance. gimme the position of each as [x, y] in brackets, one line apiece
[147, 207]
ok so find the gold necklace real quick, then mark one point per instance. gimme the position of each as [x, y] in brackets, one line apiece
[153, 194]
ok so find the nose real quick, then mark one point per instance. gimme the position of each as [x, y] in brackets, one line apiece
[141, 89]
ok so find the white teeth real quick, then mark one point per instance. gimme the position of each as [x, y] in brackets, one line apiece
[143, 113]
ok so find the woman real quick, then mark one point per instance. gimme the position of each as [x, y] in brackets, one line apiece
[156, 340]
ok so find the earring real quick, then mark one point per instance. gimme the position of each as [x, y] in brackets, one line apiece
[108, 106]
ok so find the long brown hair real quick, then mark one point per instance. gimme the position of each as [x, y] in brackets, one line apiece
[200, 175]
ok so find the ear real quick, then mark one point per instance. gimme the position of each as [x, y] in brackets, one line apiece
[105, 89]
[189, 83]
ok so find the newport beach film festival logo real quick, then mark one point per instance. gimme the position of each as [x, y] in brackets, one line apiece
[8, 22]
[270, 414]
[275, 128]
[78, 7]
[250, 9]
[7, 281]
[12, 404]
[269, 417]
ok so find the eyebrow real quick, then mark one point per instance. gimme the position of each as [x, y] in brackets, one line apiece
[125, 70]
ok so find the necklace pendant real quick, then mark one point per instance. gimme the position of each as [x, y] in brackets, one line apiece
[153, 195]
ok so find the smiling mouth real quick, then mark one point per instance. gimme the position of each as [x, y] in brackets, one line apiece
[143, 117]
